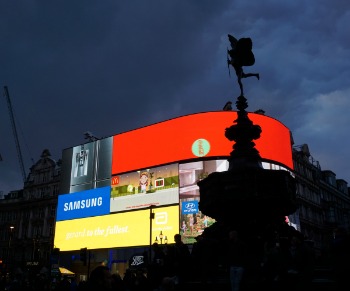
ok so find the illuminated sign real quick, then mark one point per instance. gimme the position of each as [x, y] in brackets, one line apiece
[197, 135]
[113, 181]
[84, 204]
[189, 207]
[86, 166]
[116, 230]
[137, 261]
[200, 147]
[140, 189]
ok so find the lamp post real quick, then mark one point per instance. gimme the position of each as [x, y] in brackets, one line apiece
[9, 246]
[151, 217]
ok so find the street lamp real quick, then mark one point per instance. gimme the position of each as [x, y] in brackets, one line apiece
[161, 237]
[11, 229]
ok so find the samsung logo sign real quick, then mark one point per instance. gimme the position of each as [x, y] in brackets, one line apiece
[81, 204]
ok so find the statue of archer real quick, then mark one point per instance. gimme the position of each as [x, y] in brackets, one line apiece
[241, 55]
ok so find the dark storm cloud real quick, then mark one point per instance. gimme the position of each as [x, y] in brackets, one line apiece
[112, 66]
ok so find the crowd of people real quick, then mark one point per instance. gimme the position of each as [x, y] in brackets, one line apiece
[281, 264]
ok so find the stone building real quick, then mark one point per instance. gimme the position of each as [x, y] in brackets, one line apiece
[27, 218]
[324, 200]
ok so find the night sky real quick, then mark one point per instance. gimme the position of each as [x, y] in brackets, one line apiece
[112, 66]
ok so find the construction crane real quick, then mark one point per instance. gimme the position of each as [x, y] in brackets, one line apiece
[19, 152]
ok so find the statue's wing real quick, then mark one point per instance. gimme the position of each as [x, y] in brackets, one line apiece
[232, 40]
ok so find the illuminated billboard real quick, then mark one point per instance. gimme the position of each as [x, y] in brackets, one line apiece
[125, 229]
[192, 220]
[195, 136]
[108, 185]
[139, 189]
[86, 166]
[87, 203]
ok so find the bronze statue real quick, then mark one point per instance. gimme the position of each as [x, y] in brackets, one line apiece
[241, 55]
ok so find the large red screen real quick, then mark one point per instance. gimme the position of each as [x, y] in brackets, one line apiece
[172, 141]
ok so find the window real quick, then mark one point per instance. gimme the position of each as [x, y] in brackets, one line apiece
[53, 211]
[25, 230]
[51, 229]
[41, 212]
[55, 190]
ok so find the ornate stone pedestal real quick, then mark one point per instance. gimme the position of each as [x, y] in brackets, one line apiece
[247, 197]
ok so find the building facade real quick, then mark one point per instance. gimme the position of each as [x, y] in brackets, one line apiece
[27, 219]
[324, 200]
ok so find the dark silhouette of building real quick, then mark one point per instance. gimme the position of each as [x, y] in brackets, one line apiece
[28, 216]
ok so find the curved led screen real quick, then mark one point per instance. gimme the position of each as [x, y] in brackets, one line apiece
[195, 136]
[109, 184]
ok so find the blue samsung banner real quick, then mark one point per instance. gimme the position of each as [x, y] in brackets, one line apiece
[87, 203]
[189, 207]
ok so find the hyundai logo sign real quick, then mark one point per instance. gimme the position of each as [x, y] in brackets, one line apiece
[189, 207]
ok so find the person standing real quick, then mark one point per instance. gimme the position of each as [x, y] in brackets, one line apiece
[237, 259]
[340, 253]
[156, 270]
[204, 260]
[180, 259]
[100, 279]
